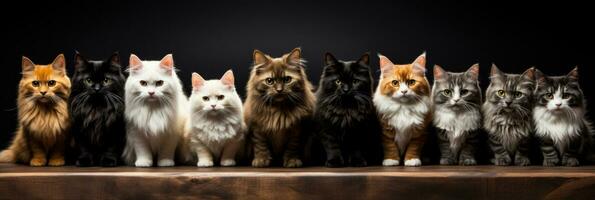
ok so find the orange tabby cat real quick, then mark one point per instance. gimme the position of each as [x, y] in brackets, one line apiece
[402, 100]
[43, 115]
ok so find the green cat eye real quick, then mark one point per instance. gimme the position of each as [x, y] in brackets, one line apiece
[395, 83]
[500, 93]
[107, 81]
[51, 83]
[35, 83]
[447, 92]
[269, 81]
[517, 94]
[338, 82]
[158, 83]
[88, 81]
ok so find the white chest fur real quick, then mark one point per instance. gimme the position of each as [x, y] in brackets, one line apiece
[559, 127]
[456, 123]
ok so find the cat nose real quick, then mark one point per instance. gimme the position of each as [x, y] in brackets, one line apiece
[151, 93]
[43, 93]
[508, 103]
[558, 104]
[213, 106]
[456, 100]
[404, 91]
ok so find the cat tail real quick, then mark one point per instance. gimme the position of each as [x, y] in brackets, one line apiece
[17, 151]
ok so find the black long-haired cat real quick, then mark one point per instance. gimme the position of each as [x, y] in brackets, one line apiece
[345, 114]
[97, 109]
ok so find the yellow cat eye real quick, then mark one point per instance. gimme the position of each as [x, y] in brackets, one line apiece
[338, 82]
[395, 83]
[205, 98]
[88, 81]
[548, 95]
[500, 93]
[220, 97]
[269, 81]
[447, 92]
[51, 83]
[143, 83]
[410, 82]
[35, 83]
[107, 81]
[158, 83]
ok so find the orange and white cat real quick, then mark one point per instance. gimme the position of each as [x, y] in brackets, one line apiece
[43, 115]
[402, 101]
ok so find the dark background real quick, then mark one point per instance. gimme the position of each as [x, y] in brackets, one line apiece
[211, 37]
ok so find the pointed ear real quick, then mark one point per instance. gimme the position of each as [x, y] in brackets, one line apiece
[419, 65]
[79, 60]
[473, 71]
[529, 74]
[385, 64]
[539, 76]
[495, 72]
[115, 58]
[197, 81]
[167, 63]
[294, 56]
[329, 59]
[573, 74]
[439, 73]
[259, 57]
[135, 63]
[27, 65]
[227, 78]
[365, 59]
[59, 63]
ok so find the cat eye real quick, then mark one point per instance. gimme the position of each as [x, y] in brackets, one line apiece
[205, 98]
[158, 83]
[269, 81]
[143, 83]
[287, 79]
[395, 83]
[464, 92]
[447, 92]
[518, 94]
[338, 82]
[548, 95]
[88, 81]
[51, 83]
[220, 97]
[565, 96]
[35, 83]
[410, 82]
[107, 81]
[355, 81]
[500, 93]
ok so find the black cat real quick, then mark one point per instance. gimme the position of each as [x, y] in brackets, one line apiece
[97, 110]
[348, 128]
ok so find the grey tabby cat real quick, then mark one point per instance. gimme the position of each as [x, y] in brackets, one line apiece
[457, 103]
[507, 116]
[559, 116]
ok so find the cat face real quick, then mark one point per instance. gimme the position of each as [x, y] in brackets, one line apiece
[558, 94]
[346, 78]
[45, 83]
[404, 83]
[510, 93]
[152, 81]
[275, 80]
[214, 96]
[98, 78]
[456, 91]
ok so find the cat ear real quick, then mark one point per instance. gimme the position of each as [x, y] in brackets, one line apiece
[59, 63]
[259, 57]
[227, 78]
[27, 65]
[135, 63]
[385, 64]
[295, 56]
[365, 59]
[495, 72]
[439, 73]
[539, 76]
[473, 71]
[529, 74]
[573, 74]
[419, 65]
[197, 81]
[115, 59]
[329, 59]
[167, 63]
[79, 60]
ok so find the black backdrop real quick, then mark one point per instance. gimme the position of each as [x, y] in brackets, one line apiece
[210, 37]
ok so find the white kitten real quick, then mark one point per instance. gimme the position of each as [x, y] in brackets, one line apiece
[215, 126]
[155, 114]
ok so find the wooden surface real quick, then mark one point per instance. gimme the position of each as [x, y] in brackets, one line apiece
[427, 182]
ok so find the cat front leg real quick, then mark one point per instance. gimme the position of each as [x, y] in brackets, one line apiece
[570, 156]
[291, 156]
[38, 157]
[85, 158]
[205, 158]
[57, 153]
[109, 158]
[144, 156]
[501, 156]
[467, 156]
[447, 157]
[550, 155]
[390, 148]
[262, 154]
[167, 150]
[229, 152]
[332, 149]
[521, 157]
[412, 156]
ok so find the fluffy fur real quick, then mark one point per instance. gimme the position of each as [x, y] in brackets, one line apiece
[560, 121]
[456, 98]
[43, 115]
[403, 103]
[345, 112]
[155, 114]
[278, 104]
[215, 125]
[507, 116]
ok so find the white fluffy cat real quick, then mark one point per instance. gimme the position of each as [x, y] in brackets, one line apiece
[155, 114]
[215, 125]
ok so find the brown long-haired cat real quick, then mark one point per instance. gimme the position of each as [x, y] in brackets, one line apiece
[279, 100]
[43, 115]
[402, 100]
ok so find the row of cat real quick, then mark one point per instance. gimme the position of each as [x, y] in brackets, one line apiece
[145, 119]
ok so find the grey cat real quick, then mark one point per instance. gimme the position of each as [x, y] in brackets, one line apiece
[457, 99]
[507, 116]
[559, 117]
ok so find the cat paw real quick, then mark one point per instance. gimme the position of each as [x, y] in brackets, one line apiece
[109, 161]
[447, 161]
[55, 162]
[292, 163]
[204, 163]
[522, 161]
[334, 162]
[414, 162]
[166, 162]
[550, 162]
[143, 163]
[570, 162]
[228, 162]
[390, 162]
[503, 161]
[84, 161]
[259, 162]
[467, 162]
[36, 162]
[358, 162]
